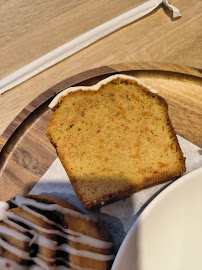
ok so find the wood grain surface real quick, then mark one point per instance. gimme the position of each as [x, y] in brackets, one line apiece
[26, 153]
[28, 29]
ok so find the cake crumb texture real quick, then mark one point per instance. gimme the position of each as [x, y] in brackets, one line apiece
[115, 141]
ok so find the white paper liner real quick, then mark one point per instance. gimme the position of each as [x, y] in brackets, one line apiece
[118, 217]
[81, 42]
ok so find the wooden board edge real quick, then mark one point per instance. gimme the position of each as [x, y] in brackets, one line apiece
[157, 66]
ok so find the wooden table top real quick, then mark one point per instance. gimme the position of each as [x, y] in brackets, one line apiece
[29, 29]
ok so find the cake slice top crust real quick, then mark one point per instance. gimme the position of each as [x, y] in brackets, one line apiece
[56, 101]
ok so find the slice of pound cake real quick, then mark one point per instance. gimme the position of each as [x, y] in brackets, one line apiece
[45, 233]
[113, 139]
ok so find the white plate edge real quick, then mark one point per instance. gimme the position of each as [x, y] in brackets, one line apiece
[148, 208]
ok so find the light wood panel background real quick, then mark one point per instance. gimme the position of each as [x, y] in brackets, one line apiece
[28, 29]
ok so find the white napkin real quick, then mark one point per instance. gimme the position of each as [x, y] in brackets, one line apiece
[118, 217]
[81, 42]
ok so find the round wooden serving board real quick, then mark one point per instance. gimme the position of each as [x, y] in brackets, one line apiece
[26, 153]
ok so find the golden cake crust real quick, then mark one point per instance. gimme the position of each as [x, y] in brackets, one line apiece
[115, 141]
